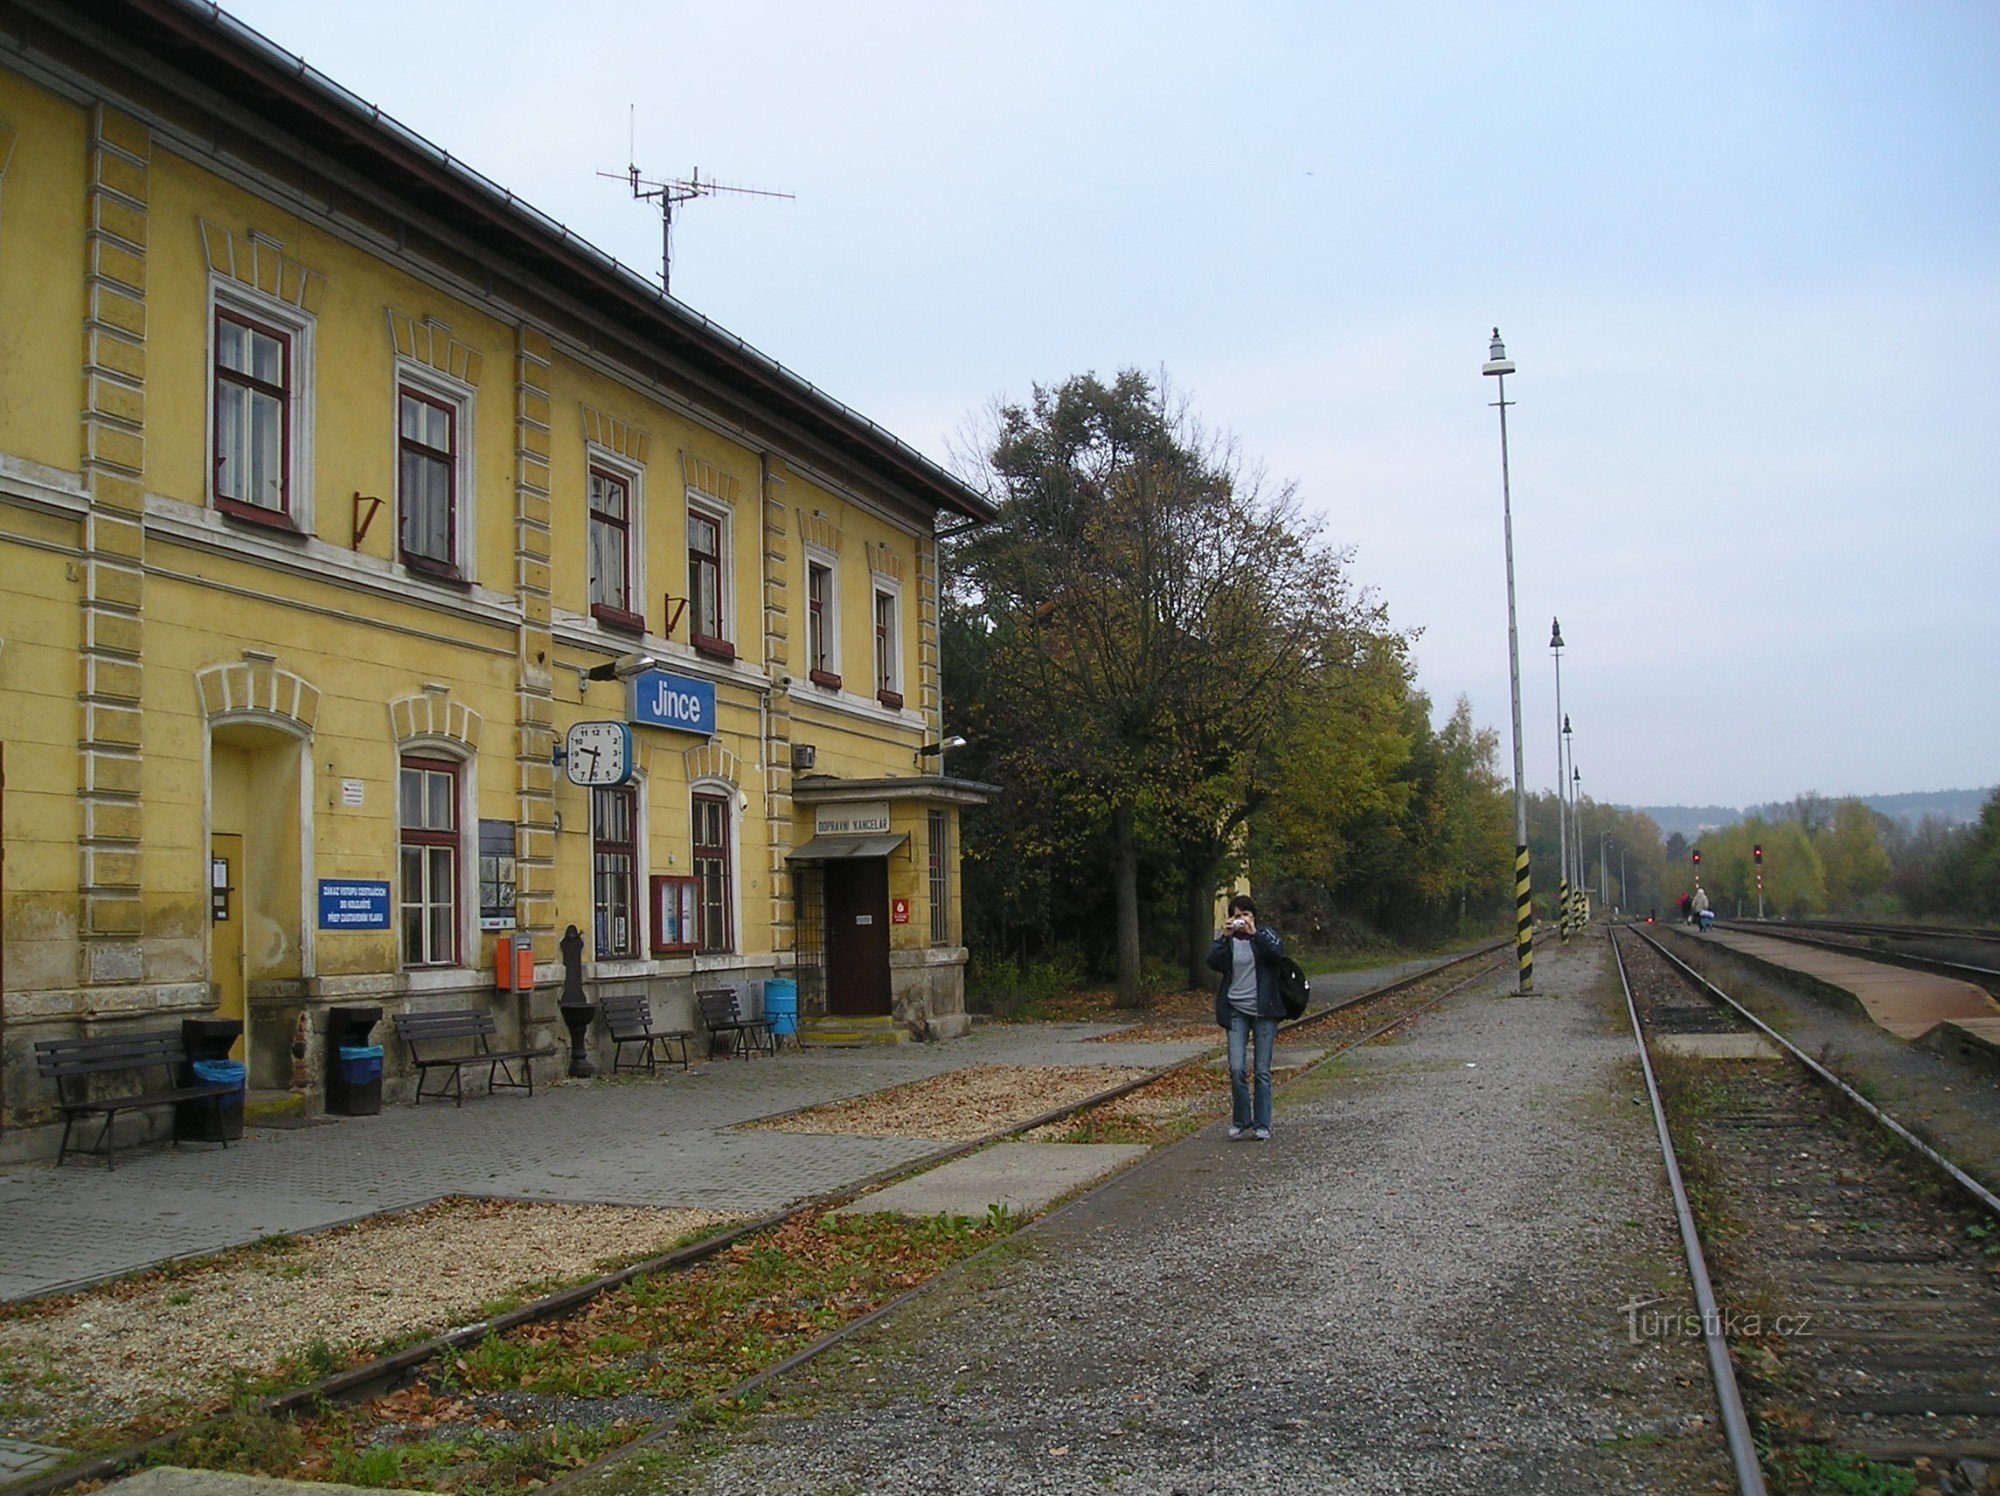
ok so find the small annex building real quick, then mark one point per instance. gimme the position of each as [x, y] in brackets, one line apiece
[386, 574]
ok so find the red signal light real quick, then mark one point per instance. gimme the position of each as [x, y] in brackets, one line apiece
[1757, 853]
[1697, 856]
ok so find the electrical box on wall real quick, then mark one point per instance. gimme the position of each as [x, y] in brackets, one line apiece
[804, 755]
[514, 964]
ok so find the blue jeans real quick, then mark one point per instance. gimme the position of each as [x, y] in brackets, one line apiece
[1242, 1113]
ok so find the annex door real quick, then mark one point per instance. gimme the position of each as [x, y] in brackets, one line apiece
[225, 928]
[857, 937]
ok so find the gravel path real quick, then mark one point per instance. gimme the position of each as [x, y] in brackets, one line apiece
[1418, 1285]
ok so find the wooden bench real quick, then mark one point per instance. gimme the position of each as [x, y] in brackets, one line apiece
[70, 1063]
[629, 1020]
[721, 1016]
[422, 1033]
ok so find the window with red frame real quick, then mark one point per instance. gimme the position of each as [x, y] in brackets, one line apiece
[427, 481]
[614, 869]
[885, 651]
[431, 847]
[708, 629]
[819, 625]
[253, 410]
[712, 870]
[610, 547]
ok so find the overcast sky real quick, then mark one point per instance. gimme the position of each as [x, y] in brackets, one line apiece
[1745, 256]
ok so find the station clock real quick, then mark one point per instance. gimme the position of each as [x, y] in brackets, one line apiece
[598, 753]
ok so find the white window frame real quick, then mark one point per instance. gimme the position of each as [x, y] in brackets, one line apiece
[463, 398]
[880, 585]
[829, 616]
[634, 477]
[232, 296]
[724, 515]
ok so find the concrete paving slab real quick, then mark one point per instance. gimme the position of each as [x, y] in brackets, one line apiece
[1716, 1046]
[171, 1480]
[1024, 1177]
[1284, 1057]
[19, 1458]
[1907, 1003]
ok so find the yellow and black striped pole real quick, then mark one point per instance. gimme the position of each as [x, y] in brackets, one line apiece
[1524, 920]
[1563, 909]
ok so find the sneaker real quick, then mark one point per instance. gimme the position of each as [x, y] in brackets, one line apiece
[1236, 1132]
[1262, 1134]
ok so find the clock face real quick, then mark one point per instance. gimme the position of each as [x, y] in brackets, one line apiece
[598, 753]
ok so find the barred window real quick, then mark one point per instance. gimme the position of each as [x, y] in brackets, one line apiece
[940, 875]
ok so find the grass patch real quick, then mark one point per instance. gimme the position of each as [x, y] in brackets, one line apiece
[1817, 1470]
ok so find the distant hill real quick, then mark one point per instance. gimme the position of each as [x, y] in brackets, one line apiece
[1957, 807]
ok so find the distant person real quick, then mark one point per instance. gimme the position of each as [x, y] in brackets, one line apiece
[1699, 904]
[1687, 906]
[1247, 1003]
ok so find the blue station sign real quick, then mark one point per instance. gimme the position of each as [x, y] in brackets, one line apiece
[353, 904]
[674, 702]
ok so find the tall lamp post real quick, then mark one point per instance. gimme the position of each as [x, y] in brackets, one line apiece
[1499, 366]
[1562, 779]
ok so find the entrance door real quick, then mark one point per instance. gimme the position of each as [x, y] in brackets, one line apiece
[857, 937]
[225, 928]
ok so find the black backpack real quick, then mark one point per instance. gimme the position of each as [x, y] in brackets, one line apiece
[1294, 986]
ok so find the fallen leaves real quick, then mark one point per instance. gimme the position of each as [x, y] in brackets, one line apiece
[960, 1106]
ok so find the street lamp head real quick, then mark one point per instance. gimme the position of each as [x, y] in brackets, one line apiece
[1555, 633]
[1497, 361]
[1565, 724]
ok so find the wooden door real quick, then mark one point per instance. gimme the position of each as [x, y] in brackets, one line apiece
[226, 910]
[857, 937]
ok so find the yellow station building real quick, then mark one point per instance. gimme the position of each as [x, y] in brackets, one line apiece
[386, 574]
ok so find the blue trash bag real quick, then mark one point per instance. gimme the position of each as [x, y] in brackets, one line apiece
[361, 1052]
[221, 1072]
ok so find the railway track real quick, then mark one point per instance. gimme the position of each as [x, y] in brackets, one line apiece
[1855, 1273]
[1354, 1021]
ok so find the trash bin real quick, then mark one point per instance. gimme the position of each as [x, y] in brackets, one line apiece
[781, 1005]
[353, 1065]
[210, 1119]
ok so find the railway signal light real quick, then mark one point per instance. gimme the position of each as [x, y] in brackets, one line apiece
[1697, 856]
[1757, 854]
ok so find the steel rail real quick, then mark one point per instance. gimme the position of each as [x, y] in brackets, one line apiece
[1728, 1396]
[381, 1372]
[1979, 1192]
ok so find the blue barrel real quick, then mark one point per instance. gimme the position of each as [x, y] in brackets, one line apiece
[781, 1005]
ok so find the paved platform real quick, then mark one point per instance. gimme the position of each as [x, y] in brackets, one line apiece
[665, 1140]
[171, 1480]
[1021, 1177]
[1909, 1004]
[1716, 1046]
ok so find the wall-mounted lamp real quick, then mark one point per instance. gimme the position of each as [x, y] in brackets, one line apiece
[938, 750]
[622, 668]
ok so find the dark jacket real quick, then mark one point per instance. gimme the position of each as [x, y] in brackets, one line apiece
[1268, 949]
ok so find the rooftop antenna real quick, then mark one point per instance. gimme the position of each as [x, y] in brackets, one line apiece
[670, 195]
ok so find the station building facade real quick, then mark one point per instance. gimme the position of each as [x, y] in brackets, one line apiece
[337, 487]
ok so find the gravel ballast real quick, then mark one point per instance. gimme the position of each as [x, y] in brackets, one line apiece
[132, 1346]
[1420, 1284]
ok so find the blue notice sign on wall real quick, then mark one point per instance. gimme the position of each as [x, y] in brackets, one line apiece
[673, 701]
[353, 905]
